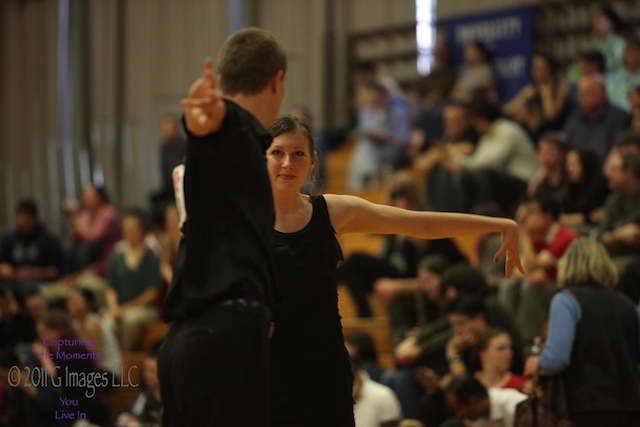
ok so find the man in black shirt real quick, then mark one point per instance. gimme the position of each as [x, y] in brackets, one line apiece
[214, 366]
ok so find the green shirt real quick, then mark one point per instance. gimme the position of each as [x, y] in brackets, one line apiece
[130, 284]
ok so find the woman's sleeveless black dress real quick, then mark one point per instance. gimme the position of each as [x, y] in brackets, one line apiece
[312, 377]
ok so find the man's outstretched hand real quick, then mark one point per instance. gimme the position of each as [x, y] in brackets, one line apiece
[204, 109]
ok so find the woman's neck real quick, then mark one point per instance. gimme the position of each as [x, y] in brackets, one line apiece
[493, 377]
[287, 202]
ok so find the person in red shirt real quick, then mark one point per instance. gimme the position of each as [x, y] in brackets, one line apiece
[543, 241]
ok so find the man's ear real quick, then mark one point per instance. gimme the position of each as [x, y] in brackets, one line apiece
[277, 81]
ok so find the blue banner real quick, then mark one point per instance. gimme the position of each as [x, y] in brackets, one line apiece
[509, 35]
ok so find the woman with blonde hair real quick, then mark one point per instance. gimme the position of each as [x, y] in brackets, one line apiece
[593, 340]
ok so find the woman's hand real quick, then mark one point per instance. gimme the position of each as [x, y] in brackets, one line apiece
[510, 249]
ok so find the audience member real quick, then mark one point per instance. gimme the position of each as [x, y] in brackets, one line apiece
[16, 325]
[40, 403]
[133, 276]
[375, 404]
[551, 174]
[382, 135]
[94, 231]
[436, 87]
[29, 255]
[543, 241]
[426, 303]
[146, 410]
[482, 407]
[495, 352]
[172, 152]
[606, 37]
[593, 340]
[543, 104]
[619, 82]
[586, 190]
[619, 229]
[458, 138]
[476, 74]
[362, 350]
[596, 123]
[82, 308]
[504, 159]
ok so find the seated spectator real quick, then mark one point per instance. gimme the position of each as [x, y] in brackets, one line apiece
[551, 174]
[606, 40]
[375, 404]
[426, 348]
[504, 158]
[629, 283]
[94, 231]
[146, 410]
[621, 81]
[593, 341]
[495, 352]
[596, 123]
[16, 325]
[586, 190]
[133, 277]
[459, 138]
[382, 135]
[81, 306]
[477, 74]
[543, 241]
[426, 303]
[543, 104]
[362, 350]
[172, 153]
[30, 255]
[399, 255]
[619, 229]
[478, 406]
[41, 403]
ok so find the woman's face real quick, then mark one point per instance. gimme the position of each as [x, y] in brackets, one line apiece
[540, 71]
[289, 161]
[76, 304]
[601, 24]
[91, 198]
[498, 353]
[472, 54]
[574, 167]
[429, 283]
[132, 230]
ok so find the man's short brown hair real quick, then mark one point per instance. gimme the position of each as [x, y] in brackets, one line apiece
[248, 60]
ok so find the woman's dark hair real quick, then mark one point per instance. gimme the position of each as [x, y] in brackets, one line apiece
[612, 16]
[102, 193]
[465, 280]
[89, 297]
[486, 53]
[464, 387]
[484, 109]
[468, 305]
[551, 62]
[141, 216]
[580, 193]
[58, 320]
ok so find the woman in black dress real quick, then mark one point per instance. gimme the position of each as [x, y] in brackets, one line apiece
[311, 373]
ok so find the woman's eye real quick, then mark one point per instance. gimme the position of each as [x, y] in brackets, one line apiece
[300, 153]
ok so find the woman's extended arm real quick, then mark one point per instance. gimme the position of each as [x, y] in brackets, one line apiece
[350, 214]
